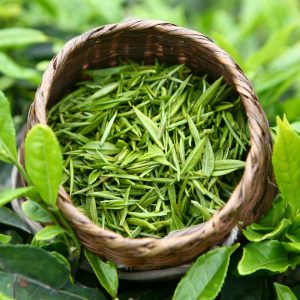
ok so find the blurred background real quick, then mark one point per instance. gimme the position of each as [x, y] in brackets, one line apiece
[262, 36]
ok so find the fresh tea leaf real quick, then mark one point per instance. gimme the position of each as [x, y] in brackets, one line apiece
[266, 255]
[49, 232]
[205, 278]
[105, 272]
[286, 161]
[149, 125]
[13, 37]
[283, 292]
[4, 239]
[11, 69]
[35, 212]
[32, 273]
[194, 157]
[43, 161]
[7, 195]
[32, 262]
[8, 148]
[10, 218]
[259, 233]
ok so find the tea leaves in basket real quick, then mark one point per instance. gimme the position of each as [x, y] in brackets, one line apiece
[150, 149]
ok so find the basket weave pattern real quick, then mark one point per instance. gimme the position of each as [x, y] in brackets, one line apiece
[147, 41]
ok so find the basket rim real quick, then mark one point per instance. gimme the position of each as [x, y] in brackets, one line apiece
[258, 154]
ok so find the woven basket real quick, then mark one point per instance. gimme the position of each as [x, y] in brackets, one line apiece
[147, 41]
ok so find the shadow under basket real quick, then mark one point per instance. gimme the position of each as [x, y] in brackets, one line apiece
[146, 41]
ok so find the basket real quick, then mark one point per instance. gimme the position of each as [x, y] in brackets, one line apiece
[142, 40]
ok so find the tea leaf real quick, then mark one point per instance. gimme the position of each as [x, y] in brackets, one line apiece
[105, 272]
[4, 239]
[149, 125]
[208, 161]
[10, 218]
[194, 157]
[13, 37]
[49, 232]
[265, 255]
[8, 195]
[284, 292]
[34, 212]
[8, 148]
[260, 233]
[43, 161]
[205, 278]
[11, 69]
[286, 159]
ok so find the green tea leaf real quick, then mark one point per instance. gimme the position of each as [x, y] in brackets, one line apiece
[11, 69]
[105, 272]
[35, 212]
[275, 214]
[43, 161]
[208, 161]
[49, 232]
[10, 218]
[194, 157]
[293, 247]
[13, 37]
[8, 148]
[205, 278]
[32, 273]
[107, 129]
[150, 126]
[286, 161]
[4, 239]
[32, 262]
[7, 195]
[283, 292]
[266, 255]
[260, 233]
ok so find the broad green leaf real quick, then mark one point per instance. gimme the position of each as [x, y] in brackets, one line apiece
[4, 297]
[105, 272]
[291, 108]
[10, 218]
[27, 288]
[12, 37]
[260, 233]
[205, 278]
[8, 195]
[34, 263]
[286, 161]
[293, 247]
[274, 46]
[275, 214]
[149, 125]
[43, 161]
[35, 212]
[283, 292]
[49, 232]
[8, 148]
[4, 239]
[266, 255]
[11, 69]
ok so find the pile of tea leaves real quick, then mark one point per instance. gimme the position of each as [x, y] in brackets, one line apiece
[150, 149]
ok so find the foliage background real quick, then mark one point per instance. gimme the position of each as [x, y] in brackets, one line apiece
[262, 36]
